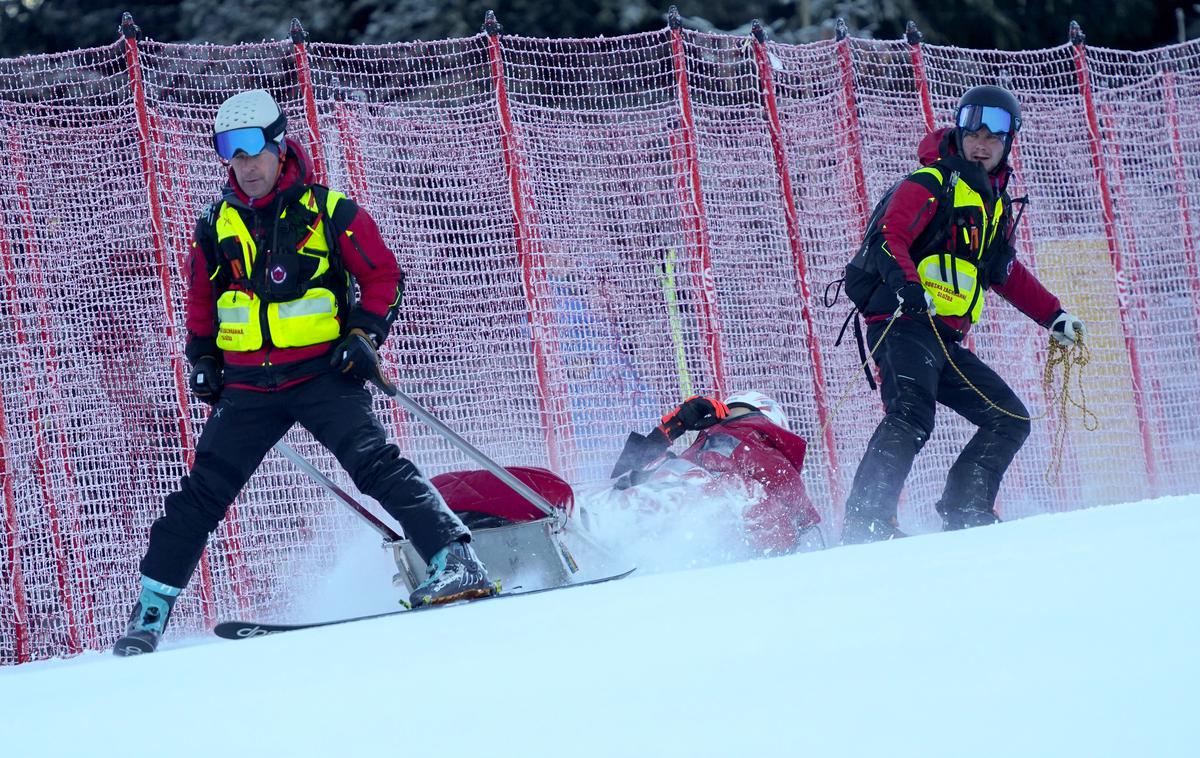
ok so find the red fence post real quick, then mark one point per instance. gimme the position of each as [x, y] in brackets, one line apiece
[12, 547]
[551, 404]
[1104, 112]
[42, 458]
[131, 32]
[1110, 231]
[355, 172]
[690, 170]
[766, 83]
[310, 102]
[851, 130]
[351, 153]
[1027, 251]
[1171, 102]
[357, 176]
[914, 37]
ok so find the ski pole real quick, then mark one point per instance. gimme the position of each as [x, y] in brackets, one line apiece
[332, 488]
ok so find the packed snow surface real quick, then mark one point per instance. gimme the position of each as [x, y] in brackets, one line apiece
[1074, 634]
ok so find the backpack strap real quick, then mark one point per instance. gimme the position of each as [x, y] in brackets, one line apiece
[332, 232]
[940, 179]
[862, 345]
[206, 236]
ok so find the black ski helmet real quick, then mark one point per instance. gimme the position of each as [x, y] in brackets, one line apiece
[982, 106]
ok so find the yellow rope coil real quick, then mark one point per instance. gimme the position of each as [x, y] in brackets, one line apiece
[1072, 360]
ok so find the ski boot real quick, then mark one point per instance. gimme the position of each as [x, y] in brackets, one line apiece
[966, 518]
[860, 528]
[148, 620]
[454, 573]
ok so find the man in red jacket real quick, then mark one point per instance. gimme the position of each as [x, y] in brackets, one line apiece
[275, 338]
[944, 240]
[744, 452]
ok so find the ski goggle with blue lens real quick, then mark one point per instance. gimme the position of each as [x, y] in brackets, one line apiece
[997, 120]
[250, 140]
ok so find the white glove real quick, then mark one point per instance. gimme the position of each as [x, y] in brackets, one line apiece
[1067, 329]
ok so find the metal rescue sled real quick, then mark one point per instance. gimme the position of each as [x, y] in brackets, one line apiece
[521, 542]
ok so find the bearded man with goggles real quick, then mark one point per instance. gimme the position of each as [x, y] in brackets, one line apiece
[276, 336]
[941, 240]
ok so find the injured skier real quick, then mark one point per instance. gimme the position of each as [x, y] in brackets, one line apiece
[734, 493]
[737, 487]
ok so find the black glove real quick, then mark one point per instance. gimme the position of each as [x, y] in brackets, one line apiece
[205, 380]
[914, 300]
[697, 412]
[356, 355]
[638, 453]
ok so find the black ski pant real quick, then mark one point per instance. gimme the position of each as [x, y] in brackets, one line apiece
[242, 428]
[915, 375]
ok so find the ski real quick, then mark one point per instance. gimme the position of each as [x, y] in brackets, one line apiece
[132, 645]
[240, 630]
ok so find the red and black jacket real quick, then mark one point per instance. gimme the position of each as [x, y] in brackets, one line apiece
[906, 231]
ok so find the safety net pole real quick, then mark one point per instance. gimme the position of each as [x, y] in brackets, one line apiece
[694, 199]
[920, 80]
[851, 131]
[767, 90]
[1079, 57]
[304, 72]
[131, 32]
[1187, 232]
[549, 401]
[12, 546]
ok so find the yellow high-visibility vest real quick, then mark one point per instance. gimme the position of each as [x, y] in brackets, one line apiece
[245, 320]
[952, 276]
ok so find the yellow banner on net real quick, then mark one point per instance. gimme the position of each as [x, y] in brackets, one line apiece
[1111, 461]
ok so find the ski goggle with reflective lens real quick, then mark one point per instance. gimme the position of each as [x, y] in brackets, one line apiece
[250, 140]
[997, 120]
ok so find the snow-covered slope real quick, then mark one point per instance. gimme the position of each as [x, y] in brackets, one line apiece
[1075, 634]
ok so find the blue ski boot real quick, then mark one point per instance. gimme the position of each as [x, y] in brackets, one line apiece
[148, 620]
[454, 573]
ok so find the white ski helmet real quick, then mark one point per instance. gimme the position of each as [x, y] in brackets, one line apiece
[248, 122]
[760, 402]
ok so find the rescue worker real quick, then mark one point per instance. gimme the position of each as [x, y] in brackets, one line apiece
[743, 453]
[944, 240]
[275, 337]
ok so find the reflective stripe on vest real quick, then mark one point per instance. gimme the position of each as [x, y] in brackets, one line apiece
[952, 280]
[238, 327]
[309, 320]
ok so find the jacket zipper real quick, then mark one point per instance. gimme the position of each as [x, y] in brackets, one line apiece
[358, 247]
[262, 311]
[920, 213]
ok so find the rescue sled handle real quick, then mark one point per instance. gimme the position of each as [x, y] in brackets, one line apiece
[559, 517]
[287, 451]
[501, 473]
